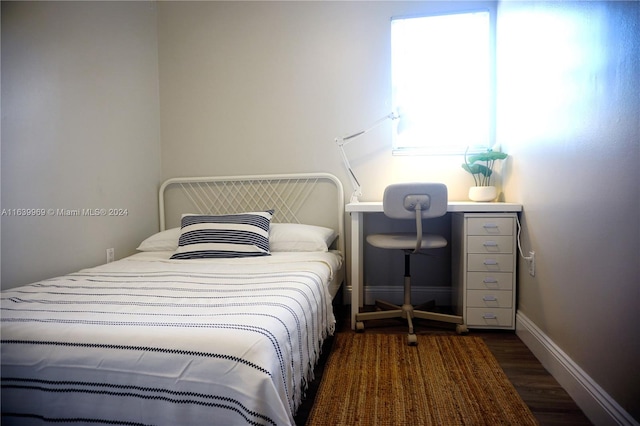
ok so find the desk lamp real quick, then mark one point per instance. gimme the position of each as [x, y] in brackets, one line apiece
[342, 141]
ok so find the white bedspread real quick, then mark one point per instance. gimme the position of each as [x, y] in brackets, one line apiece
[148, 340]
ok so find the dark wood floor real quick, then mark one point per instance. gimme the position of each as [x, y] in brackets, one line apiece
[548, 401]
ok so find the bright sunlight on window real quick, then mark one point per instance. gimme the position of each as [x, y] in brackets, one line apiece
[442, 85]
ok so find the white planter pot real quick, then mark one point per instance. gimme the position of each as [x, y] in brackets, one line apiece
[482, 193]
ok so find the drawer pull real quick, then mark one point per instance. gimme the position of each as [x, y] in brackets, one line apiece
[490, 225]
[490, 244]
[490, 262]
[489, 298]
[489, 316]
[490, 280]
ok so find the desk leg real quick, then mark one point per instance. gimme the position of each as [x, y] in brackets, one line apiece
[357, 267]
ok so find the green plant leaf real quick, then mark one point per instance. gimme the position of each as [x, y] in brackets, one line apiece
[487, 156]
[477, 169]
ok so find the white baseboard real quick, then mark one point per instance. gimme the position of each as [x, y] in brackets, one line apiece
[597, 404]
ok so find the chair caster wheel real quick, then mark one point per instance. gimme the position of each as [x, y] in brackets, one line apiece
[360, 327]
[462, 329]
[412, 340]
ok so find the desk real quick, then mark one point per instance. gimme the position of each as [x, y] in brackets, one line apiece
[357, 211]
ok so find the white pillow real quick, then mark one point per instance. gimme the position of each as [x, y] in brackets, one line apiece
[162, 241]
[300, 237]
[223, 236]
[282, 237]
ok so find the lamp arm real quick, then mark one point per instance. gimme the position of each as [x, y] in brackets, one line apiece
[341, 142]
[346, 139]
[357, 191]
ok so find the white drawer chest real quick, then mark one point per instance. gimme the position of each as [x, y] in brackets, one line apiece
[484, 255]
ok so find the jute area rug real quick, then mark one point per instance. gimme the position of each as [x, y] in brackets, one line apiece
[377, 379]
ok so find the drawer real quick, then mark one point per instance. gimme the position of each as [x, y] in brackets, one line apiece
[493, 244]
[489, 317]
[489, 281]
[489, 299]
[491, 263]
[490, 226]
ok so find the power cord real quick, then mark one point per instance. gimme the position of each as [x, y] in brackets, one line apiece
[532, 254]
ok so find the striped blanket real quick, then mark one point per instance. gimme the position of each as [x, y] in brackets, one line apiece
[149, 340]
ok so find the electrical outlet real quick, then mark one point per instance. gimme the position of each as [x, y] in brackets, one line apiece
[532, 263]
[111, 255]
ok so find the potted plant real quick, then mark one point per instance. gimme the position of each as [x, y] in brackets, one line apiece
[481, 168]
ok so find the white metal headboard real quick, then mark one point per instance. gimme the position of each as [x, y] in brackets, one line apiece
[310, 198]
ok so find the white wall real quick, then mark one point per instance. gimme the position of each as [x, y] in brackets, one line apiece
[272, 84]
[80, 130]
[569, 115]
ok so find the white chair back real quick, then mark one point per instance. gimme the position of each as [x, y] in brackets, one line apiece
[400, 200]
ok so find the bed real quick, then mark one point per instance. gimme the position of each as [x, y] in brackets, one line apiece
[219, 330]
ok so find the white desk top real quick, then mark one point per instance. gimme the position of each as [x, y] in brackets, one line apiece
[454, 206]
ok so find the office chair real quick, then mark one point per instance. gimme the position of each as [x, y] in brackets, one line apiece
[410, 201]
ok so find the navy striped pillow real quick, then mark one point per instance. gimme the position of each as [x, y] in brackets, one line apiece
[223, 236]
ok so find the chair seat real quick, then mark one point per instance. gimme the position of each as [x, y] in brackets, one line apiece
[406, 241]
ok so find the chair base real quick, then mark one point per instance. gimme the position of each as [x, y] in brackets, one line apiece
[408, 312]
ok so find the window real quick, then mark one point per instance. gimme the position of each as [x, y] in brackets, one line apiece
[442, 81]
